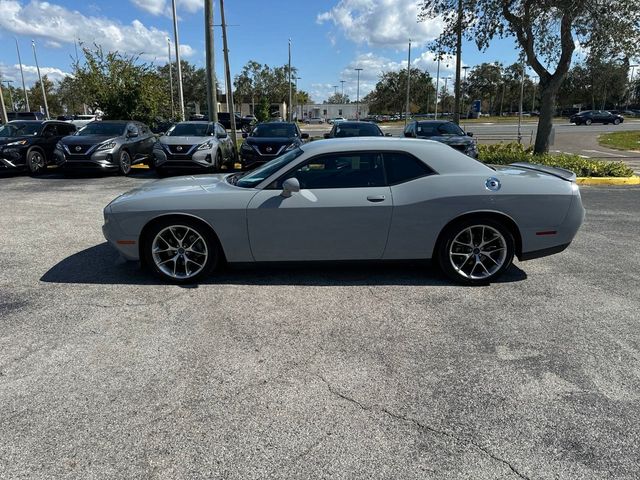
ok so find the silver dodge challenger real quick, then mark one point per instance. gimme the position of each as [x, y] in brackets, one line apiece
[351, 199]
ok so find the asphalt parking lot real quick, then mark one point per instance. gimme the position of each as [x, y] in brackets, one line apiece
[309, 372]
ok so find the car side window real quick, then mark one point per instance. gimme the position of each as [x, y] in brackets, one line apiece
[339, 170]
[402, 167]
[133, 128]
[67, 129]
[220, 130]
[50, 131]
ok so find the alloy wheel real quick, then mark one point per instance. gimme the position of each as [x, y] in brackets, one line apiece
[179, 252]
[125, 163]
[478, 252]
[36, 162]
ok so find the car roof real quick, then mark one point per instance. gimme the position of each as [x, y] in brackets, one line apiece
[355, 123]
[434, 122]
[442, 158]
[195, 122]
[276, 123]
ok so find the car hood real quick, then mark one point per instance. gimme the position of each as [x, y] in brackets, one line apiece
[185, 140]
[87, 139]
[452, 140]
[173, 187]
[271, 140]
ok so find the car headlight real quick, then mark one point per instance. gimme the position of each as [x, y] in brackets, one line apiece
[16, 144]
[58, 146]
[205, 146]
[290, 147]
[106, 146]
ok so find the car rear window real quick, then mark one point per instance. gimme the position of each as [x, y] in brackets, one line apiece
[402, 167]
[363, 129]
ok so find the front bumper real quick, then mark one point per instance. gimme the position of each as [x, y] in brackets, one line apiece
[126, 245]
[103, 160]
[199, 159]
[11, 158]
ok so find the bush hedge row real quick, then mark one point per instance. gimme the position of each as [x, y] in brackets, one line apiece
[505, 153]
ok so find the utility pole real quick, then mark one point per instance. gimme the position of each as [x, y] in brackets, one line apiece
[408, 109]
[335, 90]
[290, 97]
[358, 95]
[24, 87]
[44, 94]
[465, 91]
[173, 103]
[227, 71]
[297, 97]
[3, 110]
[520, 108]
[178, 66]
[456, 90]
[9, 82]
[437, 86]
[212, 96]
[446, 90]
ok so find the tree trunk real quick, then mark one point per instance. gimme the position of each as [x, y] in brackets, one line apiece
[548, 94]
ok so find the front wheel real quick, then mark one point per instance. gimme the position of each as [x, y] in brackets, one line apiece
[124, 163]
[476, 251]
[588, 121]
[35, 162]
[616, 121]
[181, 251]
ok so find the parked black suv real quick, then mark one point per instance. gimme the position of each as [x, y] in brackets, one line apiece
[29, 144]
[108, 145]
[268, 141]
[442, 131]
[587, 117]
[244, 124]
[354, 129]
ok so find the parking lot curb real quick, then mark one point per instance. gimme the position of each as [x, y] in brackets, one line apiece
[635, 180]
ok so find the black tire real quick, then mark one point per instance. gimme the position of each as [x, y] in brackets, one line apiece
[217, 163]
[36, 161]
[210, 262]
[588, 121]
[450, 248]
[246, 128]
[616, 121]
[124, 163]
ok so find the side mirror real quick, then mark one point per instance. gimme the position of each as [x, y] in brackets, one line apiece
[469, 134]
[290, 186]
[304, 136]
[327, 135]
[245, 135]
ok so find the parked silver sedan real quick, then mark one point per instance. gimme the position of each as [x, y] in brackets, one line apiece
[197, 145]
[351, 199]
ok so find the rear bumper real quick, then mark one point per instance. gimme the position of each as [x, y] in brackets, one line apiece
[545, 252]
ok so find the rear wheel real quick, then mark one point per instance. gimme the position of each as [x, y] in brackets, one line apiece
[588, 121]
[476, 251]
[181, 250]
[36, 162]
[616, 121]
[124, 163]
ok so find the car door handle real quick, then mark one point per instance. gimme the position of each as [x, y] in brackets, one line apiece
[376, 198]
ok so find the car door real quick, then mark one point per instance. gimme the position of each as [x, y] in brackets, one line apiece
[342, 212]
[148, 141]
[50, 137]
[224, 141]
[133, 140]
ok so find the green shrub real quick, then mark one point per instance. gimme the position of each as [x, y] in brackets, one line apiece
[506, 153]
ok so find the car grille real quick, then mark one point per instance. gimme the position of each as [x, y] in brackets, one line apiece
[78, 149]
[179, 149]
[268, 149]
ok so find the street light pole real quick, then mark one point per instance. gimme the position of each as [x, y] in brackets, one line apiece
[464, 89]
[44, 93]
[358, 95]
[520, 108]
[212, 96]
[227, 71]
[437, 86]
[289, 112]
[407, 110]
[179, 67]
[342, 82]
[633, 68]
[173, 104]
[3, 110]
[24, 87]
[446, 89]
[456, 89]
[9, 82]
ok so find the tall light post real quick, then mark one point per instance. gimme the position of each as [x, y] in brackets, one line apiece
[342, 82]
[289, 107]
[335, 90]
[178, 66]
[520, 107]
[44, 93]
[212, 95]
[446, 89]
[24, 87]
[437, 85]
[229, 85]
[633, 68]
[456, 88]
[407, 109]
[297, 97]
[173, 104]
[464, 89]
[3, 110]
[358, 94]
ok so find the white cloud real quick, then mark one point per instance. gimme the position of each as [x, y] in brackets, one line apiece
[381, 23]
[12, 72]
[57, 24]
[163, 7]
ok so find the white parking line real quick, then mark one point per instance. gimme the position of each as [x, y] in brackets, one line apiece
[606, 153]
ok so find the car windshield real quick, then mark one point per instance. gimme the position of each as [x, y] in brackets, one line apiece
[360, 129]
[274, 130]
[21, 129]
[190, 130]
[438, 129]
[252, 179]
[102, 128]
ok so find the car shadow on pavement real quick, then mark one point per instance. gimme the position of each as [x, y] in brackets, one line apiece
[102, 265]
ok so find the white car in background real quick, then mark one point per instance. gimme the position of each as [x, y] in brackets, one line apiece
[331, 121]
[82, 120]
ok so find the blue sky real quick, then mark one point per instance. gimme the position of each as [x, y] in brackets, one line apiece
[329, 37]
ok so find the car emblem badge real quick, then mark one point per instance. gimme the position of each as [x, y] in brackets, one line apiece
[179, 148]
[268, 149]
[492, 183]
[78, 148]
